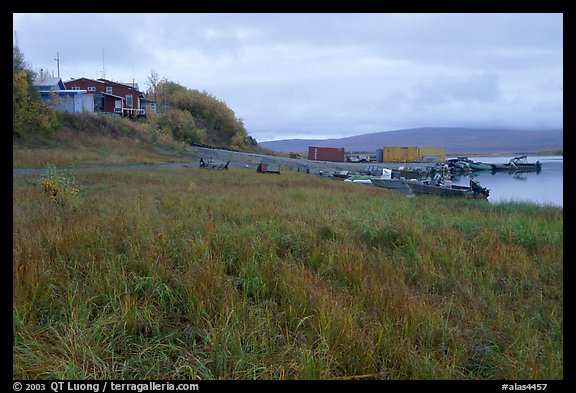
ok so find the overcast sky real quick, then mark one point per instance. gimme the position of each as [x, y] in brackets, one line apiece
[324, 75]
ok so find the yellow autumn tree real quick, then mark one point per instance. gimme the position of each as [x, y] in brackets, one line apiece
[30, 116]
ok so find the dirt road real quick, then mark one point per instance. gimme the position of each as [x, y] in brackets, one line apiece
[251, 161]
[237, 160]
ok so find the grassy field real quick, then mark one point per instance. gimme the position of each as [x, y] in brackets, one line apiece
[190, 274]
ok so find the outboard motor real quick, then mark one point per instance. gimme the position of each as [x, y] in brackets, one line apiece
[478, 188]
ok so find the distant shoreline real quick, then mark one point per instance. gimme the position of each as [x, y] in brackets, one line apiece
[453, 139]
[558, 152]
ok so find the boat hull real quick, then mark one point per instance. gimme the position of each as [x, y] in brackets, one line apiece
[391, 184]
[411, 173]
[516, 168]
[477, 166]
[449, 191]
[519, 163]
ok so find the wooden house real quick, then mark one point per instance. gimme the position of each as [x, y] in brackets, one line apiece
[123, 99]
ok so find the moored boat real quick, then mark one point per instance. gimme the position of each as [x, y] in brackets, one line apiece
[459, 165]
[519, 163]
[479, 166]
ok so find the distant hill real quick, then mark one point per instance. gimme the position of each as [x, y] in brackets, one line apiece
[455, 140]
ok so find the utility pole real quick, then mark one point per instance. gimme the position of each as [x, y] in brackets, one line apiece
[58, 63]
[103, 67]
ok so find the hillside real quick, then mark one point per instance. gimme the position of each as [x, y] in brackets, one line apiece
[455, 140]
[187, 116]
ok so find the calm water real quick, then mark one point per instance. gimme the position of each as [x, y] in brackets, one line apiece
[545, 187]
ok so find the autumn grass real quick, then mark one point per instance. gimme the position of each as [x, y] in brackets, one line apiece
[191, 274]
[122, 152]
[92, 139]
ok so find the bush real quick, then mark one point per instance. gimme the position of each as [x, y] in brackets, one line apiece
[181, 125]
[29, 115]
[60, 186]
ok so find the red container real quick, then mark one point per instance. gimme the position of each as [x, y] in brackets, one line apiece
[335, 154]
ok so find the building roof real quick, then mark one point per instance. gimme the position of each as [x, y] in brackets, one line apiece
[133, 86]
[88, 79]
[130, 84]
[62, 92]
[112, 95]
[49, 82]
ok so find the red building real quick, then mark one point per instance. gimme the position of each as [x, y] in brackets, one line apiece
[122, 99]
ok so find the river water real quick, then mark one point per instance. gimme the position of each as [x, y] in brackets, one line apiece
[544, 187]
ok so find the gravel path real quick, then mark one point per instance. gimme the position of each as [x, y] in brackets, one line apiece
[251, 161]
[237, 160]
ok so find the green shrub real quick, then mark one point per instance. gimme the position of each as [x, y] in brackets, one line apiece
[60, 186]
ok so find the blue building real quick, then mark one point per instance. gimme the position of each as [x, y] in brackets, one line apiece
[54, 94]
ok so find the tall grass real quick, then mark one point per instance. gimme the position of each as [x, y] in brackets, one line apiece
[91, 139]
[190, 274]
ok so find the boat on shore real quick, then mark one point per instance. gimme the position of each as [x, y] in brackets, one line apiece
[391, 184]
[446, 188]
[342, 175]
[395, 185]
[410, 172]
[370, 174]
[213, 164]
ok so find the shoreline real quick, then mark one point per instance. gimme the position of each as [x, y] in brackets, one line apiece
[245, 160]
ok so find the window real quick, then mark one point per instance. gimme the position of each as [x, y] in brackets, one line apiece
[75, 88]
[129, 100]
[91, 88]
[109, 89]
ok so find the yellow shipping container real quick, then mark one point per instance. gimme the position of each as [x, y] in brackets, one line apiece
[424, 152]
[400, 154]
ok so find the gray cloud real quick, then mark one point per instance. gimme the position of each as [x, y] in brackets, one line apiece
[442, 89]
